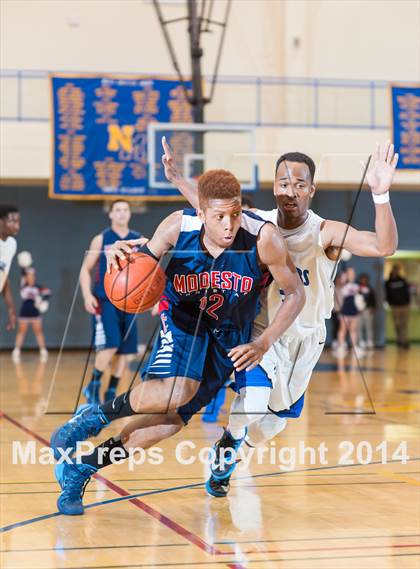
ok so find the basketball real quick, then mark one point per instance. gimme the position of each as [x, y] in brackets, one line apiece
[137, 285]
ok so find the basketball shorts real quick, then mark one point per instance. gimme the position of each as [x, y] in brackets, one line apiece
[199, 354]
[288, 365]
[114, 328]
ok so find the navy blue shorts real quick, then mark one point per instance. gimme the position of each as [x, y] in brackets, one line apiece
[114, 328]
[349, 307]
[199, 353]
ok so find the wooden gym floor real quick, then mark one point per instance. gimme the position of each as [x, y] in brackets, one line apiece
[324, 515]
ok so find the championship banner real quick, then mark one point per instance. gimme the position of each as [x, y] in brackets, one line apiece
[406, 125]
[99, 131]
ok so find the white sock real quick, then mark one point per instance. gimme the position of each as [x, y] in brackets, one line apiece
[265, 429]
[247, 407]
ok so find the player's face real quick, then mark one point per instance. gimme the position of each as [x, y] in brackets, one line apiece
[222, 220]
[293, 189]
[120, 213]
[351, 274]
[10, 224]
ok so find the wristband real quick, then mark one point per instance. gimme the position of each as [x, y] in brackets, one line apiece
[380, 198]
[146, 251]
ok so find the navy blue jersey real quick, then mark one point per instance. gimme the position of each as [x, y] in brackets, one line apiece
[219, 293]
[108, 238]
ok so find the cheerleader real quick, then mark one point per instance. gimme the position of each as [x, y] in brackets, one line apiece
[352, 304]
[34, 304]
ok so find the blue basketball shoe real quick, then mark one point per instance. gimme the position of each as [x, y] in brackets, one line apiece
[73, 480]
[218, 484]
[218, 488]
[92, 391]
[89, 422]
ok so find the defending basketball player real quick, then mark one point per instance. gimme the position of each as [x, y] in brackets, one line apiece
[114, 331]
[220, 262]
[274, 391]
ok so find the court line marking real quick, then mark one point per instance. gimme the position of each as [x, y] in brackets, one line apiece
[304, 550]
[291, 473]
[234, 565]
[319, 538]
[400, 477]
[91, 547]
[356, 537]
[177, 528]
[242, 486]
[166, 521]
[127, 496]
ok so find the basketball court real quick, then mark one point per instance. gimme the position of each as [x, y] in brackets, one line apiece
[313, 515]
[88, 91]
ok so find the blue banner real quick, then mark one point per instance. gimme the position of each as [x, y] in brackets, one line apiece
[406, 125]
[99, 131]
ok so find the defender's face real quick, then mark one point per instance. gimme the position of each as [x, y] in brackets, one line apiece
[293, 189]
[120, 213]
[10, 224]
[222, 220]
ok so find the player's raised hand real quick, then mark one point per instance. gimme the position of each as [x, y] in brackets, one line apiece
[382, 168]
[172, 172]
[247, 356]
[119, 250]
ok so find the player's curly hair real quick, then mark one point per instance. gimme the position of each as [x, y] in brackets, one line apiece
[217, 185]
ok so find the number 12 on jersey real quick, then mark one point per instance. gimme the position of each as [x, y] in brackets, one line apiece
[211, 304]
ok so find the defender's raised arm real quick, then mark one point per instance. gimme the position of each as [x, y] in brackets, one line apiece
[174, 175]
[384, 240]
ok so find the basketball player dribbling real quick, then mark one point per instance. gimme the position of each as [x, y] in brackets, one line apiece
[274, 391]
[220, 261]
[114, 331]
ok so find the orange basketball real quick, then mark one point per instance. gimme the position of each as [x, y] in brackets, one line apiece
[137, 285]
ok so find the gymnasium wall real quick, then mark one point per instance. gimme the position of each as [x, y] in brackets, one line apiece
[58, 232]
[265, 38]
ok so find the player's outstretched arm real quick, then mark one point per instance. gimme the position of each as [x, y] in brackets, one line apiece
[273, 253]
[173, 174]
[165, 237]
[384, 240]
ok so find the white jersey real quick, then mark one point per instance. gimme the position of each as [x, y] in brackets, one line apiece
[315, 270]
[7, 252]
